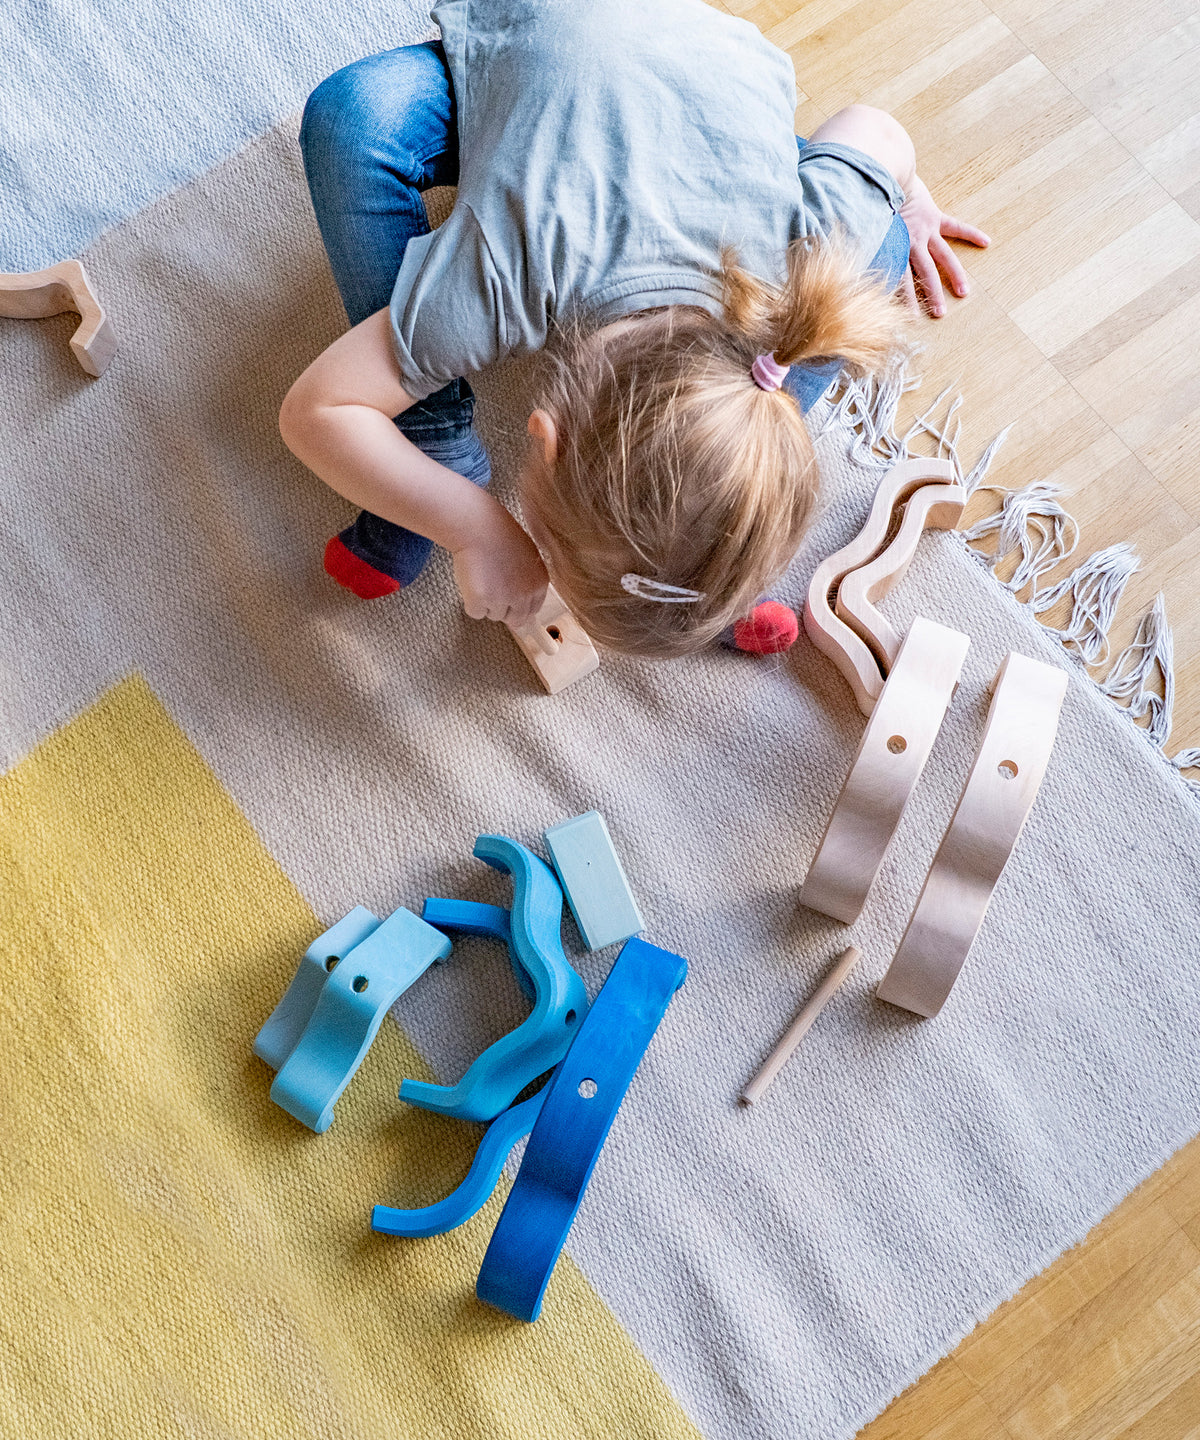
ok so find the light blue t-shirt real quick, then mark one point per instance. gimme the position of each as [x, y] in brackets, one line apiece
[608, 149]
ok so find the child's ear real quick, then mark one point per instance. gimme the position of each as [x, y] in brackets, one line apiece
[543, 430]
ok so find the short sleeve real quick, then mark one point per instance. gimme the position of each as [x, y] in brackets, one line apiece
[848, 192]
[447, 307]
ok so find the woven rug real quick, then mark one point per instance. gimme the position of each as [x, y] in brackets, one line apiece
[213, 753]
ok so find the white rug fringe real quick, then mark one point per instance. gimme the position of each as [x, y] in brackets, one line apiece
[1151, 649]
[1034, 526]
[1031, 522]
[1095, 589]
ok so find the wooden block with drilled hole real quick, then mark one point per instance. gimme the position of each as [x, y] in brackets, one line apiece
[1001, 788]
[555, 645]
[890, 758]
[831, 635]
[50, 292]
[933, 507]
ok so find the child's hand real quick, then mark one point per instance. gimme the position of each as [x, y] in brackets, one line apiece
[501, 575]
[929, 229]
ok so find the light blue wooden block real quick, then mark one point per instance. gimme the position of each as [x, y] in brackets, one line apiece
[285, 1025]
[593, 880]
[350, 1006]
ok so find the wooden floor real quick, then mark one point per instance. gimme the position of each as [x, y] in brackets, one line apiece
[1070, 131]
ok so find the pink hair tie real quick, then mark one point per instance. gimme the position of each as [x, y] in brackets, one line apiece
[768, 372]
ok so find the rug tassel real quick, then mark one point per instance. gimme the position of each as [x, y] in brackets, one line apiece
[1187, 760]
[1152, 648]
[1031, 522]
[866, 408]
[1095, 588]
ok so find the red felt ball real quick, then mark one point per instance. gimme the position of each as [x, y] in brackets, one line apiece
[771, 628]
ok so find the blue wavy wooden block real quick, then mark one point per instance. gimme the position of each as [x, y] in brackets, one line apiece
[593, 880]
[277, 1038]
[352, 1002]
[469, 917]
[581, 1101]
[498, 1076]
[473, 1194]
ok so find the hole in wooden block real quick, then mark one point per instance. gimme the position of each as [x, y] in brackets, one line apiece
[332, 961]
[897, 744]
[1007, 769]
[554, 633]
[587, 1088]
[360, 983]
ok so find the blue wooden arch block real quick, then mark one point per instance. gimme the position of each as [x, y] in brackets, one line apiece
[498, 1076]
[473, 1194]
[469, 917]
[277, 1038]
[581, 1101]
[352, 1002]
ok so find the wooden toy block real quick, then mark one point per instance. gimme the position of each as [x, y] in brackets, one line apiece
[63, 287]
[286, 1023]
[593, 880]
[363, 985]
[830, 634]
[495, 1078]
[890, 758]
[555, 645]
[580, 1103]
[933, 507]
[1003, 784]
[800, 1026]
[473, 1194]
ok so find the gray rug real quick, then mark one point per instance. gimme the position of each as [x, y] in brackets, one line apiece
[788, 1269]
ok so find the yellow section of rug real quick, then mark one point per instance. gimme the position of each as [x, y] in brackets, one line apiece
[179, 1257]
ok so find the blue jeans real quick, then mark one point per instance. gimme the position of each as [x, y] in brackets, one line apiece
[374, 136]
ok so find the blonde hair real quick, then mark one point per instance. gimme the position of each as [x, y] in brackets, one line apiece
[674, 465]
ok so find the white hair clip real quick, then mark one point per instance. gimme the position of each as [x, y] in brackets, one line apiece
[646, 589]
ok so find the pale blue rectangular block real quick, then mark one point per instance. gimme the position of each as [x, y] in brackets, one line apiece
[593, 880]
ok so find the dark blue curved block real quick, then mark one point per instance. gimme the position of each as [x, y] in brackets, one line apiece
[581, 1101]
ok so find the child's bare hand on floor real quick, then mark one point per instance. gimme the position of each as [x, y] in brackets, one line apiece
[930, 257]
[501, 575]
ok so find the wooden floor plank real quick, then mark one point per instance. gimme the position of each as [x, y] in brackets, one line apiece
[1097, 1394]
[1076, 1280]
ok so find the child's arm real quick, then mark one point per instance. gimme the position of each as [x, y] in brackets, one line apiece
[337, 418]
[880, 135]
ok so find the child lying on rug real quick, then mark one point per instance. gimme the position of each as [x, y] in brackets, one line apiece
[631, 196]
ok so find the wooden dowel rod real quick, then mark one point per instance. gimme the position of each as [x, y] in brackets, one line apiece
[801, 1025]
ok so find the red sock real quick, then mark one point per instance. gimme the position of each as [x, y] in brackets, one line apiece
[355, 574]
[768, 630]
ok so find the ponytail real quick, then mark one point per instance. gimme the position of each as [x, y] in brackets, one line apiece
[825, 309]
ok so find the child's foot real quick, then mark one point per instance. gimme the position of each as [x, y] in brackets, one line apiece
[768, 630]
[355, 574]
[373, 557]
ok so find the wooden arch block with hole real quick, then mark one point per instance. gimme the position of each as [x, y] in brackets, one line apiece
[933, 507]
[830, 634]
[1019, 735]
[890, 758]
[555, 645]
[51, 292]
[364, 983]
